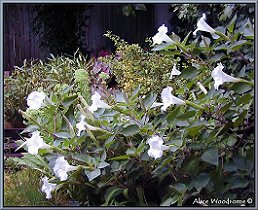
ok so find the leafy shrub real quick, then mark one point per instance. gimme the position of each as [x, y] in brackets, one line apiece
[199, 144]
[47, 76]
[134, 66]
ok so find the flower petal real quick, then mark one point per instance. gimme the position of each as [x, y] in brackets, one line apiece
[47, 187]
[174, 72]
[203, 26]
[97, 103]
[61, 168]
[220, 77]
[161, 36]
[35, 99]
[169, 99]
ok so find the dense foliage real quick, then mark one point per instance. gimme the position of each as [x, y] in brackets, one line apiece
[47, 76]
[198, 144]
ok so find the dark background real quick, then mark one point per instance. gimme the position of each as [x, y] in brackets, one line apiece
[73, 26]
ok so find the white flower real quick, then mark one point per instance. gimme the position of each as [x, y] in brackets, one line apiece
[167, 99]
[174, 72]
[97, 103]
[47, 187]
[34, 143]
[35, 99]
[203, 89]
[203, 26]
[156, 147]
[62, 167]
[82, 125]
[220, 77]
[162, 36]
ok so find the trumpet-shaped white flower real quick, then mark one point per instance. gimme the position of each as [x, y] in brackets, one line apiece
[97, 103]
[82, 125]
[203, 89]
[156, 147]
[220, 77]
[47, 187]
[62, 167]
[162, 36]
[174, 72]
[34, 143]
[203, 26]
[35, 99]
[167, 99]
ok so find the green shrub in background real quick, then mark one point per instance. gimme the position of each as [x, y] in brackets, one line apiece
[134, 66]
[47, 76]
[198, 145]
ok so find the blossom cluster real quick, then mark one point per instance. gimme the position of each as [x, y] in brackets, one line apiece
[157, 142]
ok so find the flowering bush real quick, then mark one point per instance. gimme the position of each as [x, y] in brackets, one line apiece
[47, 76]
[115, 151]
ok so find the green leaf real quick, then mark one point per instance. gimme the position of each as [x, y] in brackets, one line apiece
[216, 58]
[110, 141]
[135, 92]
[174, 145]
[111, 193]
[186, 38]
[239, 183]
[63, 135]
[229, 167]
[149, 100]
[189, 72]
[103, 164]
[69, 100]
[243, 164]
[121, 157]
[186, 115]
[33, 161]
[170, 201]
[92, 174]
[30, 128]
[171, 117]
[163, 46]
[179, 187]
[195, 128]
[211, 156]
[238, 45]
[239, 120]
[130, 130]
[226, 107]
[192, 167]
[245, 99]
[67, 89]
[69, 125]
[231, 141]
[175, 37]
[201, 181]
[232, 24]
[241, 88]
[141, 196]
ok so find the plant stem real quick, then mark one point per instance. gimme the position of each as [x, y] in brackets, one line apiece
[194, 105]
[34, 121]
[247, 82]
[222, 35]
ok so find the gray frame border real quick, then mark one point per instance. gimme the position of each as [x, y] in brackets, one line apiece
[121, 1]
